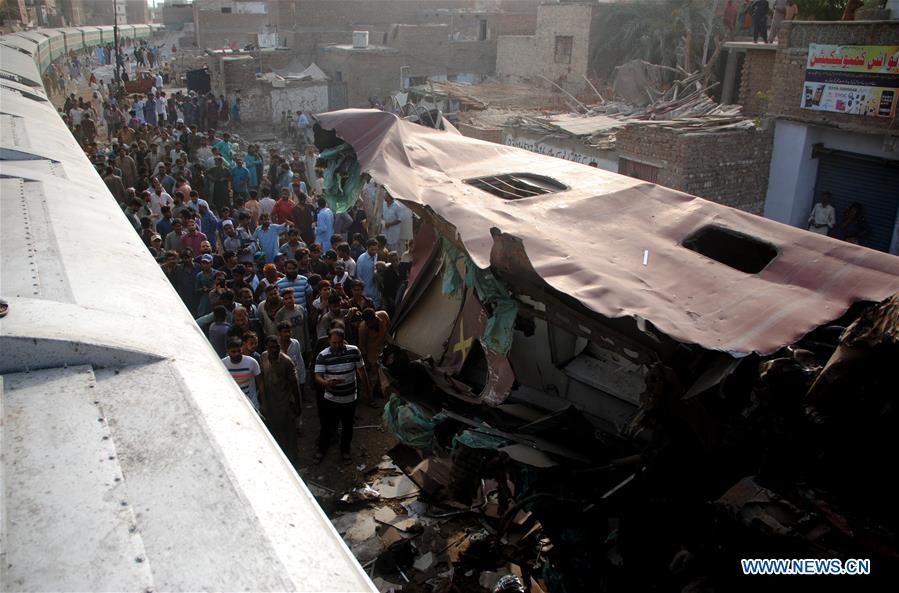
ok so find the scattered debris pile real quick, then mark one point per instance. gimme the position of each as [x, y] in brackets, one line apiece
[426, 520]
[776, 459]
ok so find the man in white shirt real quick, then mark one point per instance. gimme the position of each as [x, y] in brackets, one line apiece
[823, 216]
[76, 114]
[245, 371]
[392, 217]
[158, 198]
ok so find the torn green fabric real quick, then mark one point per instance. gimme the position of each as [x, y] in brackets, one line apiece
[491, 292]
[342, 178]
[478, 440]
[410, 424]
[452, 280]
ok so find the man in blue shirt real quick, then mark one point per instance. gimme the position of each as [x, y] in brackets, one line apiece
[240, 180]
[267, 236]
[365, 271]
[324, 225]
[293, 279]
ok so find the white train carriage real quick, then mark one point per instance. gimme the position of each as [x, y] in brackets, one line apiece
[131, 460]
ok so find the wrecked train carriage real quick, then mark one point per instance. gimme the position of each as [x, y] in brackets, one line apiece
[540, 281]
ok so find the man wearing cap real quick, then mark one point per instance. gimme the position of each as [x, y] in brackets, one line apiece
[338, 368]
[205, 282]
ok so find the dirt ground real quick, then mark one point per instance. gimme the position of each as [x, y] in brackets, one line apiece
[370, 443]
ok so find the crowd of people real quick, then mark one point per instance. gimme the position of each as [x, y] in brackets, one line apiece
[295, 298]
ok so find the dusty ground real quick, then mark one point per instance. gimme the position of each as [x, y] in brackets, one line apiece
[370, 442]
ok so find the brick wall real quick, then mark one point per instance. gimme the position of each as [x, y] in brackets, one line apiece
[756, 81]
[789, 68]
[488, 134]
[730, 168]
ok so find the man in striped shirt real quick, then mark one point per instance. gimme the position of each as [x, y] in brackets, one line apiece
[337, 369]
[293, 279]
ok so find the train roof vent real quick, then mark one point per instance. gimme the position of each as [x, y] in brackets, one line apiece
[731, 248]
[515, 186]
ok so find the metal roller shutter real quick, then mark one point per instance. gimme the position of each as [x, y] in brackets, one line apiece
[874, 183]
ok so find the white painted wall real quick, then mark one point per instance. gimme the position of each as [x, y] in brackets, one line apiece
[791, 177]
[561, 148]
[312, 98]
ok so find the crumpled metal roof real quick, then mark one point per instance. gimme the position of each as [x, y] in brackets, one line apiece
[591, 240]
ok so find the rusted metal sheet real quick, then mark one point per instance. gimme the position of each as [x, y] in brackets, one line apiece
[616, 245]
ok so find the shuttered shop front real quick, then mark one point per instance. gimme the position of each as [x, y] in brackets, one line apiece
[872, 182]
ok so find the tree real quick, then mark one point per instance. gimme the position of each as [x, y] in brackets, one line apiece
[659, 31]
[821, 10]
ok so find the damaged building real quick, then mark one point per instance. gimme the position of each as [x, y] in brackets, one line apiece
[662, 384]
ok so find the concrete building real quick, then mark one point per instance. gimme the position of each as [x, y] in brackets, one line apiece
[177, 13]
[369, 70]
[230, 23]
[102, 12]
[836, 136]
[559, 50]
[268, 82]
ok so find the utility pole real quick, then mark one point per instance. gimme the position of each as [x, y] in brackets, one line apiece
[115, 40]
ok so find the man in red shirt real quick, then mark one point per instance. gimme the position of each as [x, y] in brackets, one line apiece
[193, 238]
[283, 209]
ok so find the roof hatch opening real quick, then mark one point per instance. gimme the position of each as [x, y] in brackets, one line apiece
[514, 186]
[737, 250]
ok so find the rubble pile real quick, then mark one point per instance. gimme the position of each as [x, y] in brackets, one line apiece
[763, 457]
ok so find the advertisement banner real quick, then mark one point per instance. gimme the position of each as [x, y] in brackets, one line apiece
[853, 79]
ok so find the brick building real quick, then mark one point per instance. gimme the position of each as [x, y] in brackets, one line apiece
[727, 167]
[727, 164]
[559, 49]
[827, 137]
